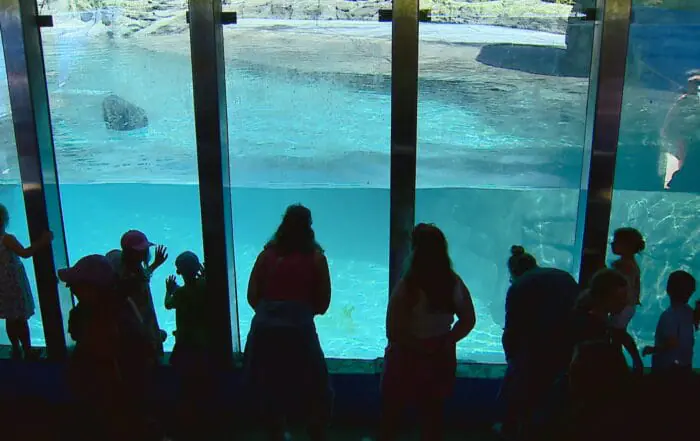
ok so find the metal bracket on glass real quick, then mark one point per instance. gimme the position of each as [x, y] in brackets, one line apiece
[44, 21]
[386, 15]
[227, 17]
[590, 14]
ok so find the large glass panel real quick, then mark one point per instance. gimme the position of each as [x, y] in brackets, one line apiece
[309, 113]
[656, 179]
[501, 128]
[120, 87]
[11, 197]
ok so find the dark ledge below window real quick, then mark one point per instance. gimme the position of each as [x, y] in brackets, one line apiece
[465, 369]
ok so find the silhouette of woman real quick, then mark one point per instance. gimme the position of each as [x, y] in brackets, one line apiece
[420, 360]
[284, 367]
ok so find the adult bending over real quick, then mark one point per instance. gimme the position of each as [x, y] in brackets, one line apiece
[535, 340]
[420, 360]
[285, 368]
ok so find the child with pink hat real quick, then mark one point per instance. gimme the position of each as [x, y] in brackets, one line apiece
[134, 274]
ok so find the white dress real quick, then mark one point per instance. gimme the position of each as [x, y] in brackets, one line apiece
[16, 301]
[633, 275]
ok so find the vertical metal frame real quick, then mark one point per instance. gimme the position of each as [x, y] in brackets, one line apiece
[404, 128]
[606, 129]
[588, 137]
[211, 123]
[29, 102]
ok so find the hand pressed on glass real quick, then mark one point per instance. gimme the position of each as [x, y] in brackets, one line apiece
[170, 284]
[161, 256]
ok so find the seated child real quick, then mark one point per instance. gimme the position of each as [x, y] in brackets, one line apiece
[675, 332]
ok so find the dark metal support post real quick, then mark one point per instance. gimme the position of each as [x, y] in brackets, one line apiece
[606, 129]
[29, 102]
[404, 109]
[211, 122]
[594, 69]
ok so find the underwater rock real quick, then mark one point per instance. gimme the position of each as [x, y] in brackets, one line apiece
[121, 115]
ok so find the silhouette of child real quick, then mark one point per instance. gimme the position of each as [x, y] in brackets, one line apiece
[135, 274]
[672, 358]
[190, 356]
[675, 332]
[599, 378]
[112, 353]
[16, 301]
[628, 242]
[188, 301]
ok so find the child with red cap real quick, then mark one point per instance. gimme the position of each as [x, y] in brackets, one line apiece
[134, 274]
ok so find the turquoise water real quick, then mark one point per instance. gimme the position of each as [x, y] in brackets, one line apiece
[494, 169]
[351, 224]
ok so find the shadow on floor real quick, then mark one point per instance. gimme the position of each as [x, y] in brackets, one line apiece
[540, 60]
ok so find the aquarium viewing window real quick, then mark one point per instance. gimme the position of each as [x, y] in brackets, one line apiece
[502, 123]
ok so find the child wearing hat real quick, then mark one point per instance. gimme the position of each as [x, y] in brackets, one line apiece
[135, 272]
[112, 350]
[190, 356]
[188, 301]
